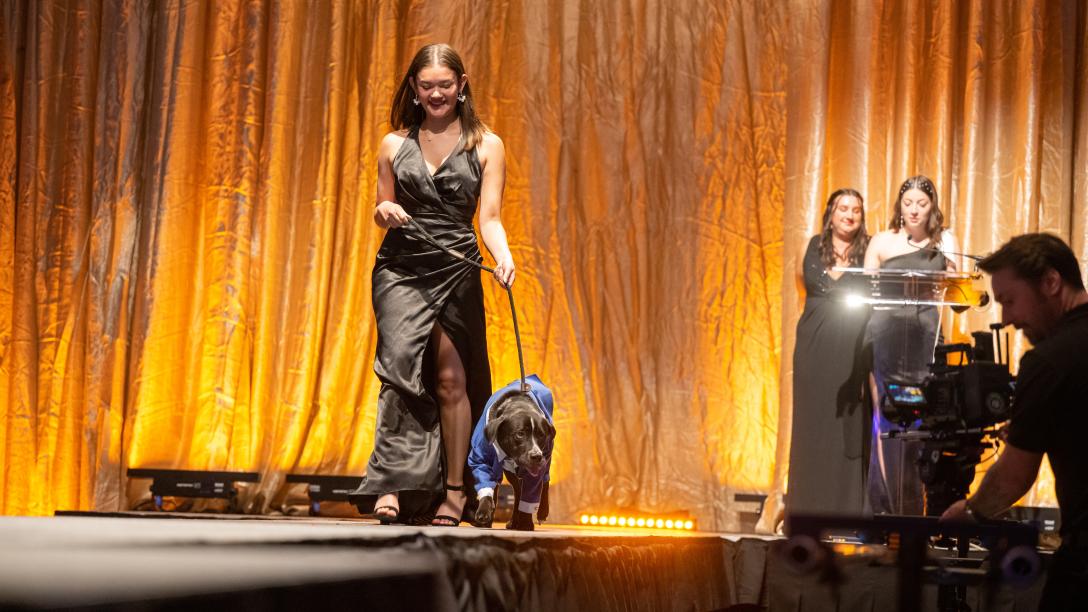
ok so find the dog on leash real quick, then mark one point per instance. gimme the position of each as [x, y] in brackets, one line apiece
[514, 438]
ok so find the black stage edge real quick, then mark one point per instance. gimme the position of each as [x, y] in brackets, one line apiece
[138, 561]
[125, 563]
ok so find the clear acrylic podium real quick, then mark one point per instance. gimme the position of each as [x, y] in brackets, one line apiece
[905, 287]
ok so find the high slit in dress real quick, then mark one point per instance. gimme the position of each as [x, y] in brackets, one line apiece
[415, 286]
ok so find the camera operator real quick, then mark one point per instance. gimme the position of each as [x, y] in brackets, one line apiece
[1037, 282]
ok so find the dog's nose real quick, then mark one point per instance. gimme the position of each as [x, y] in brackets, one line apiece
[536, 455]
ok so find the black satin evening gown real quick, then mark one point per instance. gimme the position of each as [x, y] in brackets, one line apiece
[415, 286]
[903, 339]
[829, 449]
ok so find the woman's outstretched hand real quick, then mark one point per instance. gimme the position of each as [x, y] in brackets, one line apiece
[504, 272]
[390, 214]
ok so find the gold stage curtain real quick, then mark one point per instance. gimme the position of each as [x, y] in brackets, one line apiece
[186, 237]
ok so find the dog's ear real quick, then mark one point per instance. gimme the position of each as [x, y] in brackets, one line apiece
[491, 430]
[497, 411]
[549, 438]
[549, 428]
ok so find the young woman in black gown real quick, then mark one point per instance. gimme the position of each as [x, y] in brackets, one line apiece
[903, 337]
[829, 450]
[432, 347]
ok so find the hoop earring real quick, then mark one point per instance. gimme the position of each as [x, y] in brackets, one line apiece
[461, 97]
[415, 101]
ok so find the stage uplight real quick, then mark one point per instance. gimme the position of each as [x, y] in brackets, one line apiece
[644, 522]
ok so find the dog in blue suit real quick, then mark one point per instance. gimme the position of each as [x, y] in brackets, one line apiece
[514, 438]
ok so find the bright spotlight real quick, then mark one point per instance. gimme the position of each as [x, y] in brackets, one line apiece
[854, 300]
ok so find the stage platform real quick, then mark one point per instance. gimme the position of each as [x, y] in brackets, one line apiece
[155, 561]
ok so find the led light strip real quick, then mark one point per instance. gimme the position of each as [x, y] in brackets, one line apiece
[641, 522]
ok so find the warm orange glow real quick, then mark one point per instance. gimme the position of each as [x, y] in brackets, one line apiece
[199, 297]
[631, 522]
[225, 305]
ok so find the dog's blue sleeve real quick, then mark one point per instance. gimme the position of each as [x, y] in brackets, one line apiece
[484, 462]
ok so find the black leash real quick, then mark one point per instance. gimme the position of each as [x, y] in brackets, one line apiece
[427, 237]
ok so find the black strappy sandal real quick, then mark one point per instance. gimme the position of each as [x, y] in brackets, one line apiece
[456, 520]
[387, 519]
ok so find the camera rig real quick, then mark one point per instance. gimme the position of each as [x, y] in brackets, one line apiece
[955, 411]
[967, 389]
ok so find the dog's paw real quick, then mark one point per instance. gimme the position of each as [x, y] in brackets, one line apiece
[485, 512]
[521, 521]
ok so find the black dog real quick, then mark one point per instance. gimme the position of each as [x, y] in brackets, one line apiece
[515, 440]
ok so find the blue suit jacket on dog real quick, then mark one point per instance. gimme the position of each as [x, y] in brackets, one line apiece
[486, 459]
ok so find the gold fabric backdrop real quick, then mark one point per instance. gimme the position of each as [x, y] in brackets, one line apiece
[186, 235]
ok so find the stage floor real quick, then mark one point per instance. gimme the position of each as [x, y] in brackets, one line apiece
[130, 561]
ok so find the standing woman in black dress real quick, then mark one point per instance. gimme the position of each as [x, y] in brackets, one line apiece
[903, 338]
[433, 170]
[829, 451]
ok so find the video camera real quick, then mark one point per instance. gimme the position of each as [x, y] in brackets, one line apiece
[956, 406]
[974, 392]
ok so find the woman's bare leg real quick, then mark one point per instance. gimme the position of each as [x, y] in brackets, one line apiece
[455, 415]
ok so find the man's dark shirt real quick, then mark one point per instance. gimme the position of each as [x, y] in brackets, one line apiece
[1050, 412]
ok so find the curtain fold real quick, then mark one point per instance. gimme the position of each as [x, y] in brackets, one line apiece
[186, 236]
